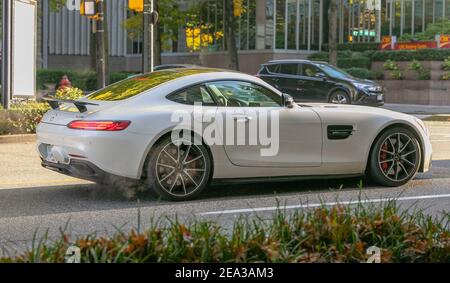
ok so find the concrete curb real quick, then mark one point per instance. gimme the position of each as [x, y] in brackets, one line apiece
[17, 138]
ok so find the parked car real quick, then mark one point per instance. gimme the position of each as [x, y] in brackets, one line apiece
[126, 130]
[312, 81]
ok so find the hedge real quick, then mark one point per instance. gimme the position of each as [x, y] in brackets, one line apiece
[409, 55]
[85, 80]
[364, 73]
[325, 234]
[360, 47]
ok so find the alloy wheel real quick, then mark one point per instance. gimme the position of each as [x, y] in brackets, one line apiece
[398, 157]
[180, 168]
[339, 99]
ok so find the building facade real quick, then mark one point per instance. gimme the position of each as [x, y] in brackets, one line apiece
[265, 30]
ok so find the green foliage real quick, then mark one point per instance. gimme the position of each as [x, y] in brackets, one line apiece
[346, 59]
[84, 80]
[390, 65]
[408, 55]
[446, 64]
[445, 76]
[171, 17]
[26, 115]
[359, 47]
[364, 73]
[415, 65]
[69, 93]
[397, 75]
[55, 5]
[424, 74]
[326, 234]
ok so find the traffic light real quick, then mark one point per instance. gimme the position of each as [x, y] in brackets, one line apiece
[136, 5]
[88, 8]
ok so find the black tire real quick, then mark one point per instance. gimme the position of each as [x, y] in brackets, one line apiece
[340, 97]
[390, 165]
[180, 181]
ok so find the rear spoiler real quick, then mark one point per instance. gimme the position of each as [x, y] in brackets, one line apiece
[80, 105]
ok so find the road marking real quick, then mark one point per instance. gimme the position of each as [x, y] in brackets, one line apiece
[43, 182]
[313, 205]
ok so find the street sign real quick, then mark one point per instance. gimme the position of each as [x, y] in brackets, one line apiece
[24, 48]
[19, 49]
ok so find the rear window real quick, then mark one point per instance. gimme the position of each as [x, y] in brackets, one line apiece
[138, 84]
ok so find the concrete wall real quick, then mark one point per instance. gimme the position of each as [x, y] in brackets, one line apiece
[430, 92]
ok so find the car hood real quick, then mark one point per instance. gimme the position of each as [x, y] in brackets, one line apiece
[359, 109]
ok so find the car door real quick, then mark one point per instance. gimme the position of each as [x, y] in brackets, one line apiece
[315, 87]
[284, 77]
[293, 137]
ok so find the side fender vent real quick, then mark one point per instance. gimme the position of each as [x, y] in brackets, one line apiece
[339, 132]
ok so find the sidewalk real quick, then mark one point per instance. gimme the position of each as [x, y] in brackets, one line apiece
[418, 109]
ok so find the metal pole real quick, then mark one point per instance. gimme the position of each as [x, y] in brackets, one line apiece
[152, 61]
[6, 53]
[145, 41]
[101, 60]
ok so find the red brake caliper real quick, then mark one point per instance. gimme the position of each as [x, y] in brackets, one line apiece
[383, 157]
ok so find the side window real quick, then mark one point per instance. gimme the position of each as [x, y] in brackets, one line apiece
[243, 94]
[289, 69]
[275, 68]
[191, 95]
[310, 70]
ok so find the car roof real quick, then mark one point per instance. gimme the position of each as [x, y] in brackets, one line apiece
[288, 61]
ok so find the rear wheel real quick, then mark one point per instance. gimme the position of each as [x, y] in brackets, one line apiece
[178, 169]
[340, 97]
[395, 158]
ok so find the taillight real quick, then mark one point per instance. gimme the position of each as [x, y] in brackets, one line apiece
[99, 125]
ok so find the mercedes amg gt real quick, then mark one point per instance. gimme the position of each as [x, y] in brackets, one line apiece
[126, 131]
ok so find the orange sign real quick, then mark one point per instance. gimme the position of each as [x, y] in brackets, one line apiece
[416, 45]
[386, 42]
[444, 41]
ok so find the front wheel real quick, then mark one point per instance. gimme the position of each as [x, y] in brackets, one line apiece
[340, 97]
[178, 170]
[395, 157]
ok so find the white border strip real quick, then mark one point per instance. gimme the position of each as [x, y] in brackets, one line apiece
[313, 205]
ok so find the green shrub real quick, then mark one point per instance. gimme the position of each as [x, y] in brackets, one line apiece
[361, 62]
[69, 93]
[26, 115]
[390, 65]
[84, 80]
[408, 55]
[446, 64]
[360, 47]
[423, 74]
[397, 75]
[325, 234]
[364, 73]
[415, 65]
[445, 76]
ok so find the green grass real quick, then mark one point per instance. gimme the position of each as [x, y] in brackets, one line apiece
[326, 234]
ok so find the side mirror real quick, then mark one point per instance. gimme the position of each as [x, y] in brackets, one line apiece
[288, 101]
[321, 76]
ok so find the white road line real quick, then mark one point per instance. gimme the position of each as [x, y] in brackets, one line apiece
[313, 205]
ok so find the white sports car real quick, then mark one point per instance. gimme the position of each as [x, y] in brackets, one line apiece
[127, 130]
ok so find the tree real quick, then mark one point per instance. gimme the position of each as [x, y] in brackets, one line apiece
[170, 18]
[332, 31]
[234, 9]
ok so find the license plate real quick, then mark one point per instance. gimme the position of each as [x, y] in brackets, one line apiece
[379, 97]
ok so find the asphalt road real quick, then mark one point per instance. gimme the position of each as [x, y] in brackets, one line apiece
[35, 200]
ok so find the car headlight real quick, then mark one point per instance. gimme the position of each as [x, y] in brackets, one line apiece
[367, 88]
[423, 126]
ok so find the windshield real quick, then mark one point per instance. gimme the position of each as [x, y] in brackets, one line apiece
[334, 72]
[138, 84]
